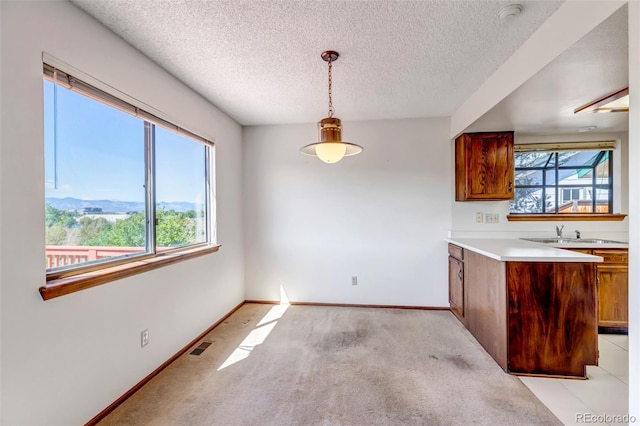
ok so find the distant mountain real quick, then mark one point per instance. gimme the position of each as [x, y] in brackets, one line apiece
[112, 206]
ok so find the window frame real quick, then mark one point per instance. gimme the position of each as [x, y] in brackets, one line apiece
[606, 145]
[71, 278]
[557, 186]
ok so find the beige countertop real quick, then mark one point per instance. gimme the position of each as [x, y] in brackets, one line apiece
[517, 250]
[576, 244]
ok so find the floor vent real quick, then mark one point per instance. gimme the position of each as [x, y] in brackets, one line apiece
[200, 348]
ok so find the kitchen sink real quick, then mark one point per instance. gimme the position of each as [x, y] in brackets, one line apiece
[552, 240]
[595, 241]
[573, 241]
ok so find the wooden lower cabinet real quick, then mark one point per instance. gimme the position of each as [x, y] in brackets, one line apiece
[456, 287]
[552, 318]
[612, 276]
[486, 316]
[533, 318]
[612, 280]
[456, 281]
[613, 296]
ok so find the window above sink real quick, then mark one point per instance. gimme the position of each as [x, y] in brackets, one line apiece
[564, 181]
[570, 179]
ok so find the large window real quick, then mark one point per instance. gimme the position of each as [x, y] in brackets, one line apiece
[563, 181]
[120, 184]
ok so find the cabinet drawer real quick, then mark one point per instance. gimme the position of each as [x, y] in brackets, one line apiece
[585, 251]
[613, 256]
[456, 251]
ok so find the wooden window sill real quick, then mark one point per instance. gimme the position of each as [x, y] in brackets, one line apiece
[565, 217]
[61, 286]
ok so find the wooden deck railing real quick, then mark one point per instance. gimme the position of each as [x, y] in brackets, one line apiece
[69, 255]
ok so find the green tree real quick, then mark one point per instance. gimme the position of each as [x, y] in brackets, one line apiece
[129, 232]
[56, 235]
[53, 216]
[94, 232]
[174, 228]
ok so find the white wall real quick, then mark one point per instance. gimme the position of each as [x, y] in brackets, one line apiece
[1, 104]
[381, 215]
[634, 209]
[464, 224]
[66, 359]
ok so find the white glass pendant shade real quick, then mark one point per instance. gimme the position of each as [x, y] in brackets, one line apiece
[331, 152]
[331, 147]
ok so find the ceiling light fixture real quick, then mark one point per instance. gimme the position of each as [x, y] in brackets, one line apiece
[510, 11]
[331, 147]
[615, 102]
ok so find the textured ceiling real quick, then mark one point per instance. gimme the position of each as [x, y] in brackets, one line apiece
[259, 61]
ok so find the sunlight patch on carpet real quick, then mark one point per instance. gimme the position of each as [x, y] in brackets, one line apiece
[256, 337]
[274, 314]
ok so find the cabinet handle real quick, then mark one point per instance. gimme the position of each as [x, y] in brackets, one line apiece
[510, 186]
[460, 274]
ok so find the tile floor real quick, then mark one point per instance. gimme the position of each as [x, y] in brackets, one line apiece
[605, 393]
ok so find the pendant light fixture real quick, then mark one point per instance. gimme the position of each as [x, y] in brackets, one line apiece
[331, 148]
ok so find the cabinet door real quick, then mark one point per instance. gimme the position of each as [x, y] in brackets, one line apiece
[456, 287]
[484, 166]
[552, 317]
[613, 297]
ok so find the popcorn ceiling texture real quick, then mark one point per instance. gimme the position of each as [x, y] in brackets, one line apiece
[259, 61]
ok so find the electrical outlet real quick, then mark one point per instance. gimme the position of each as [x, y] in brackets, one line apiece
[354, 280]
[479, 217]
[491, 218]
[144, 338]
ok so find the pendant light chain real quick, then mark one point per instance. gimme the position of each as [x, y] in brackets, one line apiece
[331, 110]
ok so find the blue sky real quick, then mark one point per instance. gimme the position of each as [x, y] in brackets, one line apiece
[100, 154]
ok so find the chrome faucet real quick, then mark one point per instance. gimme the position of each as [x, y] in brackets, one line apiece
[577, 234]
[559, 230]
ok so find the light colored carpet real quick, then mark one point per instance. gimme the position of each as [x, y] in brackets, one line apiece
[315, 365]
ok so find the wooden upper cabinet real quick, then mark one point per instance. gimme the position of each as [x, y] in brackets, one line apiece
[484, 166]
